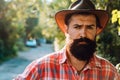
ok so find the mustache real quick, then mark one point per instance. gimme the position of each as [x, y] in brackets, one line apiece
[83, 40]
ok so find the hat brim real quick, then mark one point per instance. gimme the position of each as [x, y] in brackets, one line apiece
[101, 14]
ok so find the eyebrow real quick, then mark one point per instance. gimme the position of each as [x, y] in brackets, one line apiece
[90, 25]
[85, 25]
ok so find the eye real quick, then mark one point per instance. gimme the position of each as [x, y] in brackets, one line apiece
[77, 26]
[90, 27]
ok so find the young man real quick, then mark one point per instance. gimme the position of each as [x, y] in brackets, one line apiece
[77, 60]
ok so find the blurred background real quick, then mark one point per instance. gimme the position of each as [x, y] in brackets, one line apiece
[30, 24]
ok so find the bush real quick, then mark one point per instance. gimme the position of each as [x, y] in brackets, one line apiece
[118, 67]
[6, 52]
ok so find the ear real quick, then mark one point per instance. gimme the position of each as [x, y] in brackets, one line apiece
[66, 29]
[98, 30]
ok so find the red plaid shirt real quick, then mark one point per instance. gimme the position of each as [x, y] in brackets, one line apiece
[56, 67]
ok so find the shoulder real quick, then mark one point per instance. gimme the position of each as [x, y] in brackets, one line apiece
[105, 64]
[107, 68]
[49, 58]
[42, 62]
[52, 57]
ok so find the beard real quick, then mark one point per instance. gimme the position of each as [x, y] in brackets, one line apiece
[83, 52]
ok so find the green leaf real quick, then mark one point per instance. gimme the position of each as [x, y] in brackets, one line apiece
[118, 30]
[119, 21]
[118, 13]
[73, 0]
[114, 18]
[106, 1]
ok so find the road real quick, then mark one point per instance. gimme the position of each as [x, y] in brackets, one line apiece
[9, 69]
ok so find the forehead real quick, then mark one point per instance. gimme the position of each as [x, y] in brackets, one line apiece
[68, 16]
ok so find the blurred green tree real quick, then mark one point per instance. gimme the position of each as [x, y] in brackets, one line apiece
[13, 17]
[109, 40]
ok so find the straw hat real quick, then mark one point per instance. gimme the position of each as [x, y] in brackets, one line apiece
[82, 6]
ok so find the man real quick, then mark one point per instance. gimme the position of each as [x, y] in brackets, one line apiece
[77, 60]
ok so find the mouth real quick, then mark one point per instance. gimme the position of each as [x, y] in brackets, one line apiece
[82, 43]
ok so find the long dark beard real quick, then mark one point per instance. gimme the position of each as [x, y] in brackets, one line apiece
[83, 51]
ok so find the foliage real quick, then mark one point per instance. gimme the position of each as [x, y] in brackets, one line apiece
[109, 40]
[13, 17]
[53, 8]
[116, 19]
[7, 33]
[116, 16]
[118, 67]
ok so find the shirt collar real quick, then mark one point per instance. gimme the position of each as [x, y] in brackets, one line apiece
[94, 62]
[62, 57]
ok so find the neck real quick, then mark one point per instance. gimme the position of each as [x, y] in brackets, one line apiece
[78, 64]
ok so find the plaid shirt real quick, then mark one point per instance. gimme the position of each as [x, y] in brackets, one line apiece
[56, 67]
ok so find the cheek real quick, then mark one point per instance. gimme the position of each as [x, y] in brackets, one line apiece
[69, 38]
[91, 35]
[73, 34]
[68, 41]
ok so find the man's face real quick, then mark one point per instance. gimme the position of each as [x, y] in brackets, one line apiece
[81, 33]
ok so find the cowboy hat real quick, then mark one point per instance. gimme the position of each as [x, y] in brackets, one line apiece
[82, 6]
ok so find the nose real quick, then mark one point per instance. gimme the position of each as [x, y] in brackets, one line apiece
[83, 32]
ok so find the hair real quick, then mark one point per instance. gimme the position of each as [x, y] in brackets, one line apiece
[68, 17]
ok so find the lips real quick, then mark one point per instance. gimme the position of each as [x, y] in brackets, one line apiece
[83, 42]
